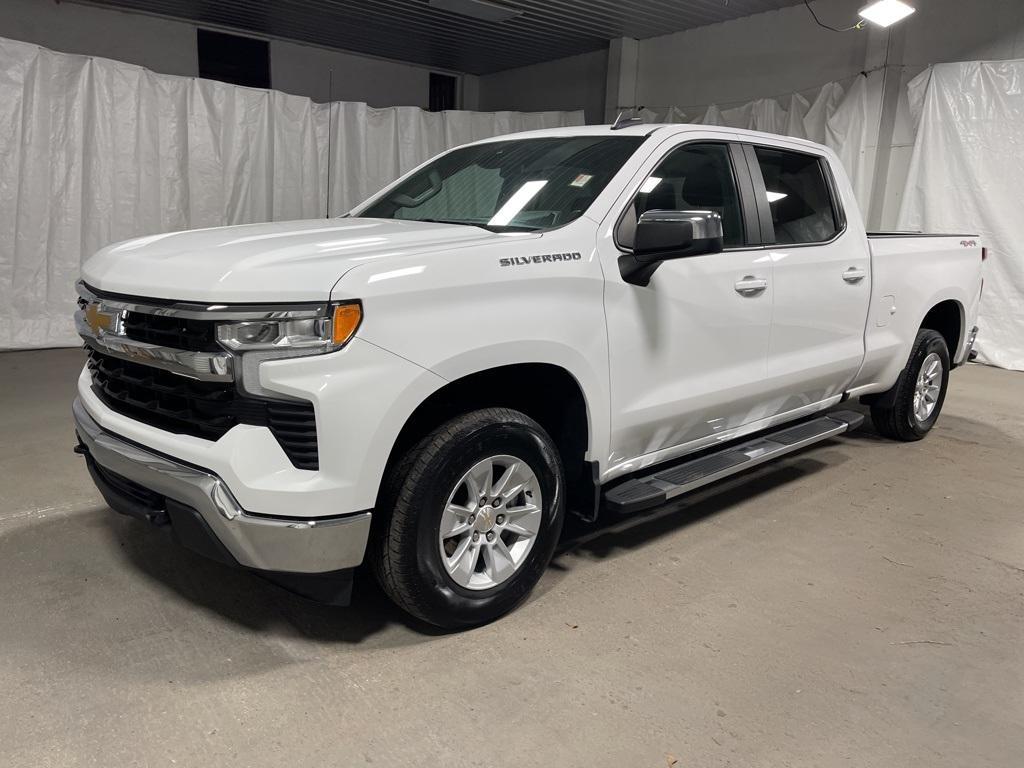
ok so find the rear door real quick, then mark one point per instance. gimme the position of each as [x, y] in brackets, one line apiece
[821, 270]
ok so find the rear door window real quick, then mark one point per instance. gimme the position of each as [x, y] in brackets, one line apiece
[799, 197]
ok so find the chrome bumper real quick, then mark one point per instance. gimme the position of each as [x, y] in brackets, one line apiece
[263, 543]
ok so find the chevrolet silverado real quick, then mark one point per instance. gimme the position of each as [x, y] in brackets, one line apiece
[592, 319]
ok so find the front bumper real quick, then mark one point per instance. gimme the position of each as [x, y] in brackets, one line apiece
[161, 489]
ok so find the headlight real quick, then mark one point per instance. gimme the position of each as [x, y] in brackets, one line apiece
[312, 335]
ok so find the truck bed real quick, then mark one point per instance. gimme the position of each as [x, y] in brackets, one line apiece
[912, 273]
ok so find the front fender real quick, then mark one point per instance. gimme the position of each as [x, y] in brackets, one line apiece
[462, 312]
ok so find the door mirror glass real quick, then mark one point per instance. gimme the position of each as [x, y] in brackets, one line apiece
[663, 235]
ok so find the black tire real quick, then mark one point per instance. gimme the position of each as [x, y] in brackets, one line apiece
[893, 412]
[405, 550]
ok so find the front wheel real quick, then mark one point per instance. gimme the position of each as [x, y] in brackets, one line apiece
[472, 514]
[910, 409]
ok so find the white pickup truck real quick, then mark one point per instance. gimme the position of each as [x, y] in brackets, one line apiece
[576, 319]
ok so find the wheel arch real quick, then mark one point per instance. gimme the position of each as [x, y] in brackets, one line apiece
[946, 317]
[546, 392]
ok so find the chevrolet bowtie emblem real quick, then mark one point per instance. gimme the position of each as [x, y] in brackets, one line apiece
[100, 321]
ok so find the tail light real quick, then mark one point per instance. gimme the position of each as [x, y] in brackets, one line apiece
[984, 253]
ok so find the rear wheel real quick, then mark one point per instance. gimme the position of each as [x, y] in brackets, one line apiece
[910, 409]
[473, 513]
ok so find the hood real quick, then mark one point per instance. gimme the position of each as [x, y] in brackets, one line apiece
[275, 262]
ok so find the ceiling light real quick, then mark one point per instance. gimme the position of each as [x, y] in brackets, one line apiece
[886, 12]
[477, 9]
[774, 197]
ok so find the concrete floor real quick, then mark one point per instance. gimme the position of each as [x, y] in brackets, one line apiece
[858, 605]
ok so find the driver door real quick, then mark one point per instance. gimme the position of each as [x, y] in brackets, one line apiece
[688, 352]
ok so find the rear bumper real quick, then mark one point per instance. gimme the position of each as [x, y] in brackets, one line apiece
[205, 514]
[970, 353]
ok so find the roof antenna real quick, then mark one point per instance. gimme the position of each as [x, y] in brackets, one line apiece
[624, 122]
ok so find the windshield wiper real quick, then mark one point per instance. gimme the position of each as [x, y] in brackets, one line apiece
[453, 221]
[488, 227]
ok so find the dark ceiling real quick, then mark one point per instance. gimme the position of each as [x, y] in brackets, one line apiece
[410, 30]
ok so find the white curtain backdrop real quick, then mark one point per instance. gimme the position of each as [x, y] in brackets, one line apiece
[845, 119]
[93, 151]
[967, 175]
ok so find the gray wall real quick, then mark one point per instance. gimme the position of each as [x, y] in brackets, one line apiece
[306, 70]
[954, 30]
[169, 47]
[778, 52]
[164, 46]
[576, 82]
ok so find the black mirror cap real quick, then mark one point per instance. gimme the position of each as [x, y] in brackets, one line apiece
[663, 235]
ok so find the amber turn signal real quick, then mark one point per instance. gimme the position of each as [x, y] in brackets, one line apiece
[344, 322]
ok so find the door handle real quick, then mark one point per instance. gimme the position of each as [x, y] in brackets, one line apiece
[751, 286]
[854, 275]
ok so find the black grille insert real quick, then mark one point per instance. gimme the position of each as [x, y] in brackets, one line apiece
[172, 331]
[201, 408]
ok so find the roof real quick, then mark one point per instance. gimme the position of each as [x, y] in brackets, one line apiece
[661, 129]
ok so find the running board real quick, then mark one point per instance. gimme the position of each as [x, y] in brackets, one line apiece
[661, 485]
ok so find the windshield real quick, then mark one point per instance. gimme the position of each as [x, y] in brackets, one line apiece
[509, 186]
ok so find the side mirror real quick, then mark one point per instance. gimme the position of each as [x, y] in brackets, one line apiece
[663, 235]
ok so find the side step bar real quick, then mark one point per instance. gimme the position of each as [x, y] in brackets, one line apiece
[658, 487]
